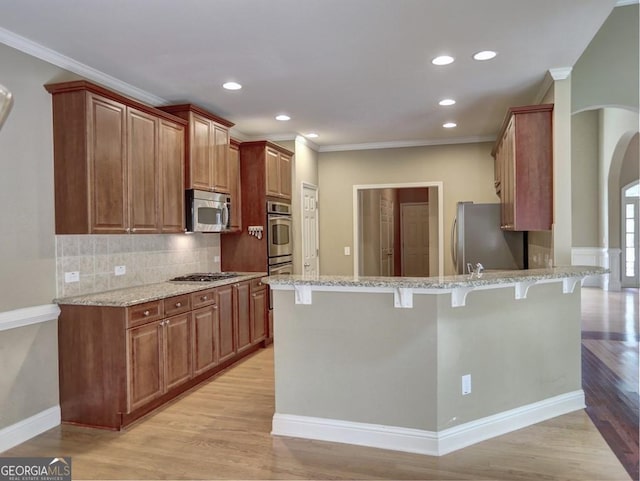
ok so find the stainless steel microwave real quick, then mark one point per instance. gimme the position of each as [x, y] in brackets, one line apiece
[207, 211]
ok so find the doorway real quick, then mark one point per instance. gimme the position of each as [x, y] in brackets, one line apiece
[378, 246]
[310, 248]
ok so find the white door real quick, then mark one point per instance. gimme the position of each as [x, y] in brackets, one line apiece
[414, 219]
[630, 235]
[386, 237]
[310, 265]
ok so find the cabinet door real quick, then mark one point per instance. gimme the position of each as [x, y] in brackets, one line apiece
[171, 160]
[204, 339]
[178, 350]
[284, 173]
[259, 312]
[200, 153]
[272, 164]
[145, 364]
[220, 162]
[142, 159]
[107, 165]
[226, 331]
[234, 184]
[243, 315]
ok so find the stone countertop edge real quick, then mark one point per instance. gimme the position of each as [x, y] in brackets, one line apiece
[445, 282]
[131, 296]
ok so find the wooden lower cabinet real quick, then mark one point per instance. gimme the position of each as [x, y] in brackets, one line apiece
[118, 363]
[259, 311]
[205, 339]
[226, 331]
[242, 315]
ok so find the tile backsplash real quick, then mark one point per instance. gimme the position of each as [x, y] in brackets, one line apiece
[147, 259]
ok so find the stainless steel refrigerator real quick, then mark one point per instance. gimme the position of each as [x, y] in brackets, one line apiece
[476, 237]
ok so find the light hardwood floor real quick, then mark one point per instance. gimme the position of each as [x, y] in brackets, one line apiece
[221, 431]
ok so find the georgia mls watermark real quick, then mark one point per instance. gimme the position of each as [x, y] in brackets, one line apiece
[35, 469]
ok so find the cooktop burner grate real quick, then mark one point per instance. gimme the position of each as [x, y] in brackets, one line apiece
[206, 277]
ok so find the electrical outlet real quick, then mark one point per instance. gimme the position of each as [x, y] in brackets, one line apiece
[216, 258]
[466, 384]
[120, 270]
[73, 276]
[347, 250]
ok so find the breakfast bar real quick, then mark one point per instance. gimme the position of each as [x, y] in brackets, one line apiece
[425, 365]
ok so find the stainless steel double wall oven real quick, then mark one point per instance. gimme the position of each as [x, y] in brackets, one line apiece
[279, 238]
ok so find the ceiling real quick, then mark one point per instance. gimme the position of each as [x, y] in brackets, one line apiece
[354, 71]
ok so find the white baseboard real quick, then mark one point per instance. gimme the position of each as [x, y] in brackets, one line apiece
[28, 428]
[421, 441]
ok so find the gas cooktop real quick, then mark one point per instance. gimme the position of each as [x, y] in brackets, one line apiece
[205, 277]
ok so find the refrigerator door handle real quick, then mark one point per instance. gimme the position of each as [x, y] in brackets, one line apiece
[454, 244]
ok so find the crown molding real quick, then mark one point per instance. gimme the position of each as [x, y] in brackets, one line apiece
[561, 73]
[552, 75]
[624, 3]
[405, 143]
[51, 56]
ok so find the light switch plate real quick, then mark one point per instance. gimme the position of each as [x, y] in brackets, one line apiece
[120, 270]
[73, 276]
[347, 250]
[466, 384]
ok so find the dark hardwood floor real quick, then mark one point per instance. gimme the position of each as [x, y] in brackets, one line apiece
[610, 365]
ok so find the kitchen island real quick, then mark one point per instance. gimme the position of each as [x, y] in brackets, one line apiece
[425, 365]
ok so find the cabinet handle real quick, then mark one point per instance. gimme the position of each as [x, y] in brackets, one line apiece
[133, 230]
[215, 306]
[145, 313]
[167, 322]
[127, 229]
[203, 298]
[178, 304]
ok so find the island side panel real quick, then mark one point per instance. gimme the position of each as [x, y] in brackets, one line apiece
[354, 357]
[518, 352]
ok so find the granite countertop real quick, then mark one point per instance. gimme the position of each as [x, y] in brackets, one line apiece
[442, 282]
[151, 292]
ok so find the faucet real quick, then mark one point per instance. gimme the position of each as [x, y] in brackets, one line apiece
[477, 270]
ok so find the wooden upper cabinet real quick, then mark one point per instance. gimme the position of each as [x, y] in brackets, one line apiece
[171, 167]
[234, 185]
[142, 157]
[221, 180]
[104, 210]
[274, 164]
[109, 155]
[207, 148]
[524, 168]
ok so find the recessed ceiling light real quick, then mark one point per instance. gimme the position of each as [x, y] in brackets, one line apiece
[484, 55]
[311, 135]
[283, 117]
[442, 60]
[449, 125]
[445, 102]
[231, 86]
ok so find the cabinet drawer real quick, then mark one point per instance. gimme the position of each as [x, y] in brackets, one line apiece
[257, 284]
[203, 298]
[143, 313]
[177, 305]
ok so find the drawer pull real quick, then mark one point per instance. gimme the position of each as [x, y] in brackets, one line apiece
[178, 304]
[145, 313]
[204, 298]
